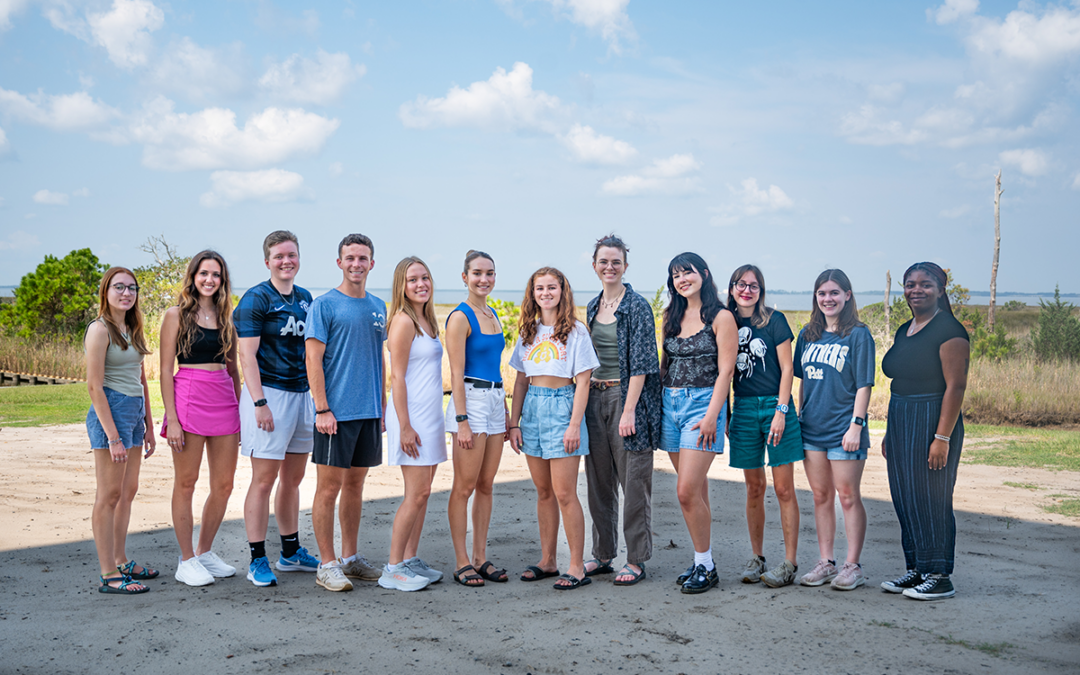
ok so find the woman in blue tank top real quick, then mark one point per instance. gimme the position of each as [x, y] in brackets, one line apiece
[476, 417]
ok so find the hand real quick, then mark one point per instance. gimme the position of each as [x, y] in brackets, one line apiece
[776, 429]
[326, 423]
[939, 454]
[883, 449]
[626, 424]
[852, 439]
[174, 436]
[149, 441]
[118, 452]
[515, 439]
[506, 434]
[264, 419]
[410, 442]
[571, 439]
[464, 435]
[706, 431]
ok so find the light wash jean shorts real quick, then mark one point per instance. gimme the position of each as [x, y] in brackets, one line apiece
[837, 454]
[545, 417]
[682, 409]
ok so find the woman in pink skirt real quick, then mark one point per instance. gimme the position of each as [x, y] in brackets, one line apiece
[201, 409]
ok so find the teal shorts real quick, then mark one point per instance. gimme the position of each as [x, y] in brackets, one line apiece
[749, 433]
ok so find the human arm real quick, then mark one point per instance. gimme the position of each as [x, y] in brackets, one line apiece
[232, 367]
[853, 436]
[96, 344]
[457, 331]
[249, 347]
[954, 366]
[727, 348]
[787, 377]
[572, 435]
[399, 342]
[149, 440]
[170, 329]
[521, 388]
[627, 425]
[314, 350]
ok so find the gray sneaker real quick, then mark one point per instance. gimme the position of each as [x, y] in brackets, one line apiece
[824, 572]
[423, 569]
[360, 568]
[781, 575]
[753, 569]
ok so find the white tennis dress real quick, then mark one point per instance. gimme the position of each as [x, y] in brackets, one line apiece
[424, 387]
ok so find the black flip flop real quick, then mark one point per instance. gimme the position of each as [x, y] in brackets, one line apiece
[465, 581]
[638, 576]
[601, 568]
[538, 574]
[574, 582]
[488, 571]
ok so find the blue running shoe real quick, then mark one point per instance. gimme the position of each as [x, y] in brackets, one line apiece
[302, 561]
[259, 573]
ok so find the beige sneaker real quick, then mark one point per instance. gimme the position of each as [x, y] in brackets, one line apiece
[824, 572]
[850, 577]
[781, 575]
[360, 568]
[332, 578]
[752, 570]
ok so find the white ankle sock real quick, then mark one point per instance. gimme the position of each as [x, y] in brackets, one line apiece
[704, 559]
[346, 561]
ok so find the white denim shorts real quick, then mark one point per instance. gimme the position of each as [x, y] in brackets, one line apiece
[487, 414]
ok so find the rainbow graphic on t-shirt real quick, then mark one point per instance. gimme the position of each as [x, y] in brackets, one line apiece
[546, 351]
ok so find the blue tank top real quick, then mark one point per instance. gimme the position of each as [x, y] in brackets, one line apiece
[483, 353]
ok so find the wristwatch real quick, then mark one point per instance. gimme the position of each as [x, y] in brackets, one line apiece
[859, 420]
[260, 403]
[461, 418]
[782, 408]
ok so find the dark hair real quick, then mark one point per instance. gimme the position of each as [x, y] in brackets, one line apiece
[611, 241]
[351, 239]
[565, 318]
[849, 316]
[710, 297]
[762, 313]
[939, 275]
[473, 255]
[280, 237]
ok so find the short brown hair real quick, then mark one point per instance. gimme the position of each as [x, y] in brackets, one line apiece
[278, 237]
[356, 239]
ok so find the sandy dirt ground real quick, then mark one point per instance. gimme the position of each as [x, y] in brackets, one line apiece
[1017, 577]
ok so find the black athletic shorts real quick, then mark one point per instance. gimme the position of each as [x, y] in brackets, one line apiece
[357, 443]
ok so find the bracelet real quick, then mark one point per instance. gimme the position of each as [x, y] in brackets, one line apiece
[322, 412]
[116, 442]
[512, 428]
[942, 438]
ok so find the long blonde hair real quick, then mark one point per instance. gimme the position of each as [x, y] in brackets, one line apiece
[188, 302]
[133, 318]
[530, 310]
[400, 303]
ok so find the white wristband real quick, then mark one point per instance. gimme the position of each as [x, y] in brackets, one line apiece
[942, 438]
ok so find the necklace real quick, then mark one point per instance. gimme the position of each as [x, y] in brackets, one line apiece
[915, 327]
[287, 302]
[484, 312]
[614, 303]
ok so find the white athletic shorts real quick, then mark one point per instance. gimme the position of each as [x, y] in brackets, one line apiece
[484, 408]
[294, 424]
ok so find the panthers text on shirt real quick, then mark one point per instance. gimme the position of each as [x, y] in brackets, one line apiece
[834, 355]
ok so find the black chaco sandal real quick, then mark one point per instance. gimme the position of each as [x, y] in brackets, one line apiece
[488, 571]
[122, 589]
[537, 574]
[601, 567]
[574, 582]
[469, 579]
[129, 570]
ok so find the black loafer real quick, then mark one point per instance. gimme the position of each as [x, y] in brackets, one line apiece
[684, 576]
[701, 580]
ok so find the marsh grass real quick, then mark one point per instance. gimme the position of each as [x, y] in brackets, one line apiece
[51, 358]
[1054, 449]
[1023, 391]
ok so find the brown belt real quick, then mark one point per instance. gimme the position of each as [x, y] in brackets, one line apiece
[601, 385]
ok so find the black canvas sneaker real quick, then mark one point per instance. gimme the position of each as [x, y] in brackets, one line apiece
[935, 587]
[909, 580]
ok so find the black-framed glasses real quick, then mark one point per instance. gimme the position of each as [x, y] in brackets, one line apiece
[742, 286]
[120, 288]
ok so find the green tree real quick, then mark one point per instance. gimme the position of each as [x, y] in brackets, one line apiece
[57, 299]
[1057, 335]
[160, 282]
[508, 314]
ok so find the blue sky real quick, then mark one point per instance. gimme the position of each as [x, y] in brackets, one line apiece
[794, 135]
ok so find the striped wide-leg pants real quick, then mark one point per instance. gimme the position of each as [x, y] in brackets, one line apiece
[923, 499]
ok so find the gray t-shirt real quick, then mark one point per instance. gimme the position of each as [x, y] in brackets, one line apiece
[353, 330]
[832, 370]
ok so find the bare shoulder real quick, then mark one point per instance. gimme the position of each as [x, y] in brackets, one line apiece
[458, 323]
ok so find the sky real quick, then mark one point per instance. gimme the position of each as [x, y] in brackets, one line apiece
[796, 136]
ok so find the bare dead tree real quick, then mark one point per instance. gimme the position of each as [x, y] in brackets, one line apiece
[156, 246]
[997, 250]
[888, 299]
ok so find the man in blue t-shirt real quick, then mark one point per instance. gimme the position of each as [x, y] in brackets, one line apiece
[345, 332]
[276, 413]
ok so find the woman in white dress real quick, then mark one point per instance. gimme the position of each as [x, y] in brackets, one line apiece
[415, 430]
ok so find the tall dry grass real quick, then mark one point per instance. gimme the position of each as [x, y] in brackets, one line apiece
[59, 358]
[1023, 391]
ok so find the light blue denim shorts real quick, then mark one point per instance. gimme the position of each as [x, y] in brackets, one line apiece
[545, 415]
[683, 408]
[836, 454]
[129, 416]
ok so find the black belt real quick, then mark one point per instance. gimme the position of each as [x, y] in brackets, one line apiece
[483, 384]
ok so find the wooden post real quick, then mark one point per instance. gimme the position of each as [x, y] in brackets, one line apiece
[888, 301]
[997, 250]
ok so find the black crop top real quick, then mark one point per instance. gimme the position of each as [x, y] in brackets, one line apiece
[914, 363]
[206, 348]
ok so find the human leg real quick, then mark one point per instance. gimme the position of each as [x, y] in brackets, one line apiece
[329, 480]
[847, 476]
[484, 497]
[128, 489]
[547, 511]
[413, 505]
[467, 466]
[350, 507]
[755, 508]
[564, 474]
[221, 456]
[784, 486]
[109, 476]
[412, 545]
[819, 473]
[287, 495]
[257, 502]
[186, 464]
[691, 487]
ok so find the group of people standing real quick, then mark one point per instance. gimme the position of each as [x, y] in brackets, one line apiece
[314, 385]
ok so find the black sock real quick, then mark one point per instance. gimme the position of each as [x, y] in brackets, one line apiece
[290, 544]
[258, 550]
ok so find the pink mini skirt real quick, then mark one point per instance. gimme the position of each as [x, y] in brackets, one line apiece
[206, 402]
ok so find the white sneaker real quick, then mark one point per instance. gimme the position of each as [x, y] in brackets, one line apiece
[423, 569]
[402, 578]
[216, 566]
[192, 573]
[332, 578]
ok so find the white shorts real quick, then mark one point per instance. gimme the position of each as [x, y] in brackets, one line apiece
[294, 424]
[487, 414]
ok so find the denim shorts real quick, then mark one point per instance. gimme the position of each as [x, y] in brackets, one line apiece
[129, 416]
[683, 408]
[485, 408]
[545, 416]
[837, 454]
[749, 434]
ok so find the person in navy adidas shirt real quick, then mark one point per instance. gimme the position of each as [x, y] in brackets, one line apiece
[277, 415]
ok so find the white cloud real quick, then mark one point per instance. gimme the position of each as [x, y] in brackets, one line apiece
[1076, 182]
[606, 17]
[1031, 162]
[210, 138]
[124, 31]
[955, 212]
[336, 169]
[953, 10]
[504, 101]
[5, 145]
[1027, 37]
[865, 127]
[81, 192]
[9, 8]
[887, 93]
[63, 112]
[752, 201]
[593, 148]
[199, 72]
[18, 240]
[272, 185]
[50, 198]
[664, 177]
[320, 80]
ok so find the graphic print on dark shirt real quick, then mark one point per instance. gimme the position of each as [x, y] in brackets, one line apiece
[757, 367]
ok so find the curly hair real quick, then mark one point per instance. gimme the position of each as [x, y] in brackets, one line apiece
[188, 302]
[133, 318]
[849, 316]
[565, 319]
[400, 303]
